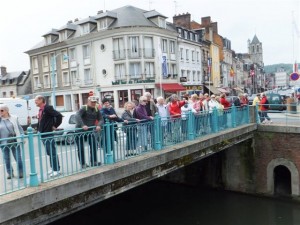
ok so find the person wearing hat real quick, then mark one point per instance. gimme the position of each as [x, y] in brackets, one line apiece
[87, 118]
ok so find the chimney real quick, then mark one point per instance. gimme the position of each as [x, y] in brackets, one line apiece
[183, 20]
[3, 70]
[70, 21]
[76, 20]
[100, 11]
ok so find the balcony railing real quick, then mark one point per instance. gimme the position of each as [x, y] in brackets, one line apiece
[137, 53]
[149, 52]
[119, 54]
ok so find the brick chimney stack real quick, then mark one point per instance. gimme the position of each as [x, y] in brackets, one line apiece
[183, 20]
[3, 70]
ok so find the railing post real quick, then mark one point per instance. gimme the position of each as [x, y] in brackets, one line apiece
[233, 116]
[33, 181]
[257, 113]
[247, 115]
[215, 120]
[191, 125]
[157, 132]
[108, 138]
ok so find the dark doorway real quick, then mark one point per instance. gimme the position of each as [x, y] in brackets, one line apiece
[282, 181]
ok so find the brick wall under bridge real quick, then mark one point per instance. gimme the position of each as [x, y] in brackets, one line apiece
[267, 164]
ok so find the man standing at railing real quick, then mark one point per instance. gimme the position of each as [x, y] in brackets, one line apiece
[88, 116]
[48, 121]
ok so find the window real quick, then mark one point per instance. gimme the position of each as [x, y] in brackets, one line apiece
[120, 71]
[119, 49]
[66, 79]
[85, 28]
[198, 56]
[173, 70]
[35, 65]
[103, 24]
[4, 94]
[123, 97]
[11, 94]
[48, 40]
[46, 81]
[199, 76]
[179, 32]
[86, 51]
[87, 77]
[172, 47]
[72, 54]
[136, 94]
[185, 34]
[63, 35]
[45, 61]
[164, 45]
[149, 69]
[36, 82]
[193, 56]
[191, 36]
[257, 48]
[188, 75]
[181, 53]
[64, 59]
[161, 22]
[196, 37]
[135, 70]
[134, 46]
[194, 75]
[148, 46]
[187, 54]
[74, 77]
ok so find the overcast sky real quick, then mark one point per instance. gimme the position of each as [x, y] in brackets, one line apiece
[23, 22]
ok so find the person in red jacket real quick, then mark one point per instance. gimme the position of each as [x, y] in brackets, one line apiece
[264, 106]
[175, 106]
[226, 104]
[224, 101]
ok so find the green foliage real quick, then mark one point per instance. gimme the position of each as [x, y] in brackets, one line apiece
[273, 68]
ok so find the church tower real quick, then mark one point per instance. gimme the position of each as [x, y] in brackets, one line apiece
[255, 51]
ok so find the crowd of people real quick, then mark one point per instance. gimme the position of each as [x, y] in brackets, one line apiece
[136, 119]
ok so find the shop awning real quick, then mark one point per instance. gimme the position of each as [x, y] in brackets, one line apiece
[171, 87]
[213, 89]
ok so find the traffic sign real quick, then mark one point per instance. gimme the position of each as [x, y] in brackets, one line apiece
[294, 76]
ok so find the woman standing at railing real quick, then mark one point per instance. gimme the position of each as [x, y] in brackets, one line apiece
[264, 106]
[10, 127]
[130, 128]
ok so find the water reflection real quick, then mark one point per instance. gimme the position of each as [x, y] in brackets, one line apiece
[160, 203]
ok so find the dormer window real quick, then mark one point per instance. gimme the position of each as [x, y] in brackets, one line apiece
[103, 24]
[179, 32]
[161, 22]
[63, 35]
[85, 28]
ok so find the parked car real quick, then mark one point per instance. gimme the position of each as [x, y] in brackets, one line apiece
[276, 101]
[65, 131]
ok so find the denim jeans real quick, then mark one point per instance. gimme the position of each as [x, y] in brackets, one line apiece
[16, 151]
[91, 138]
[49, 144]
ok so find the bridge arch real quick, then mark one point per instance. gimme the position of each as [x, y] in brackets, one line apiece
[278, 165]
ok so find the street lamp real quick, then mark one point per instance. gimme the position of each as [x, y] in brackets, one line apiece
[53, 77]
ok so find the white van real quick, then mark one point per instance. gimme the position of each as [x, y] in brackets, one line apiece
[26, 110]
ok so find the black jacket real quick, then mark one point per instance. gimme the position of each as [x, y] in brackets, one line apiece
[50, 118]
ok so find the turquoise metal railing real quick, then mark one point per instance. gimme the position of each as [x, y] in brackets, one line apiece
[74, 151]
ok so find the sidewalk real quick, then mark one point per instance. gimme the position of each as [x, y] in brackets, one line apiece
[295, 114]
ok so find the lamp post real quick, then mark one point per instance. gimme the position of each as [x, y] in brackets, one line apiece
[53, 96]
[209, 71]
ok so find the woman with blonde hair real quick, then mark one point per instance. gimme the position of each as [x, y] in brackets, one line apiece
[130, 128]
[10, 127]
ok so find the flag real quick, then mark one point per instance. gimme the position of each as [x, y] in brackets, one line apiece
[231, 72]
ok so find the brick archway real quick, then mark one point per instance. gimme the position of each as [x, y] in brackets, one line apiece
[294, 175]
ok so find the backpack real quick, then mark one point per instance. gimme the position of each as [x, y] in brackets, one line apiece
[266, 105]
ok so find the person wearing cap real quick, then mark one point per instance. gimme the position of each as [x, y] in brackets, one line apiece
[87, 117]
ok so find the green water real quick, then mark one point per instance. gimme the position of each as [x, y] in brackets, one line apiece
[160, 203]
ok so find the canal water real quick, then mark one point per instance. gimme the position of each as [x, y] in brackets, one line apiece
[161, 203]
